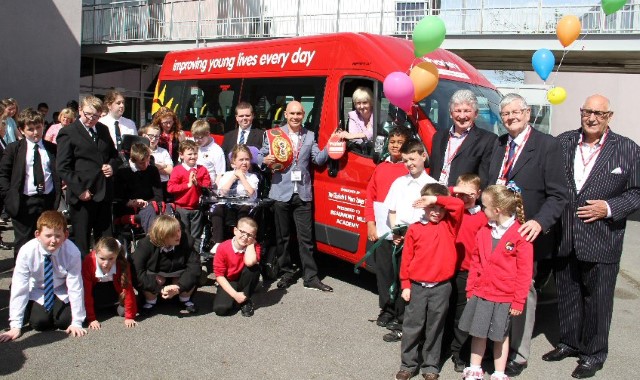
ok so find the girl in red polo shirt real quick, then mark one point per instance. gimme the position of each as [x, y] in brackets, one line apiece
[499, 278]
[107, 281]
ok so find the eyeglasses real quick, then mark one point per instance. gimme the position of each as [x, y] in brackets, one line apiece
[246, 234]
[584, 112]
[152, 137]
[90, 115]
[514, 113]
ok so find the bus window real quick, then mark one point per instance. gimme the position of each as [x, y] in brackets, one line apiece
[348, 111]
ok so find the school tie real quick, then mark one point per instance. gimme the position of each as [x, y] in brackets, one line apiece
[48, 283]
[116, 127]
[512, 152]
[38, 172]
[94, 135]
[241, 141]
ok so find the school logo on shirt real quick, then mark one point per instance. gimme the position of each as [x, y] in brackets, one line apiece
[280, 146]
[509, 246]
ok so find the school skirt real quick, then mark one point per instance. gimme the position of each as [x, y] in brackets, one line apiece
[486, 319]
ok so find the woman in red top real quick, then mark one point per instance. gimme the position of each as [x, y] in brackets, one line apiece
[499, 278]
[171, 131]
[107, 282]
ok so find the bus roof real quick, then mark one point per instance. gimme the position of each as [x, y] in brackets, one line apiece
[315, 55]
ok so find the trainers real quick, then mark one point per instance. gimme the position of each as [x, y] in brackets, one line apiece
[497, 377]
[148, 306]
[189, 308]
[247, 308]
[403, 375]
[393, 336]
[472, 374]
[384, 318]
[318, 285]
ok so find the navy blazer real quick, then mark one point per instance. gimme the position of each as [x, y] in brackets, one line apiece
[615, 178]
[80, 161]
[12, 173]
[281, 184]
[473, 156]
[541, 178]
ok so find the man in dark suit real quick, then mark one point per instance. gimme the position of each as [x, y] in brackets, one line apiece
[29, 183]
[531, 159]
[603, 169]
[463, 148]
[87, 159]
[244, 134]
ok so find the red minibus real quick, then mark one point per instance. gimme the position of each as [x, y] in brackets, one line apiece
[321, 72]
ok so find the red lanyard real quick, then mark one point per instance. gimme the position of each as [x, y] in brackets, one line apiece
[509, 163]
[450, 156]
[297, 147]
[593, 154]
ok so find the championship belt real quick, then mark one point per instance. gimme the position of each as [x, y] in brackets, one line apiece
[281, 148]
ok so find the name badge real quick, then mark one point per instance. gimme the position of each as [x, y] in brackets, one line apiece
[501, 181]
[296, 174]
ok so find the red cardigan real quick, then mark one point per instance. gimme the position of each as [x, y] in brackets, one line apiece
[89, 280]
[466, 242]
[187, 197]
[503, 274]
[429, 253]
[380, 183]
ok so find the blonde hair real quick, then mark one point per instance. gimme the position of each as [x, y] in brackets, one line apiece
[67, 112]
[238, 149]
[93, 102]
[469, 179]
[200, 128]
[362, 94]
[163, 227]
[508, 201]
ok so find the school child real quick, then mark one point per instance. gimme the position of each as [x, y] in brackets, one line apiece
[166, 265]
[428, 264]
[29, 181]
[467, 188]
[399, 201]
[499, 279]
[107, 281]
[377, 217]
[237, 271]
[161, 157]
[46, 288]
[210, 154]
[186, 183]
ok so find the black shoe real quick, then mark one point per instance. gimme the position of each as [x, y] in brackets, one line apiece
[394, 325]
[4, 246]
[189, 308]
[247, 308]
[393, 336]
[559, 353]
[318, 285]
[514, 368]
[585, 370]
[458, 364]
[384, 318]
[285, 282]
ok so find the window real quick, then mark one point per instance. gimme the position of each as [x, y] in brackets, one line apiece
[408, 13]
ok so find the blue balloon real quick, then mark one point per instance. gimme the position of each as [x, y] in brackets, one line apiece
[543, 62]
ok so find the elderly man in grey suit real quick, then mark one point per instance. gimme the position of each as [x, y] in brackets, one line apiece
[603, 169]
[291, 188]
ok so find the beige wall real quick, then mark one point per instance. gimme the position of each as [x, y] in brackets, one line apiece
[40, 48]
[621, 89]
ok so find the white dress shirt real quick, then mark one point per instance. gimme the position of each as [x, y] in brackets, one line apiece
[27, 283]
[403, 192]
[246, 134]
[497, 231]
[29, 187]
[105, 277]
[161, 156]
[240, 190]
[127, 126]
[211, 157]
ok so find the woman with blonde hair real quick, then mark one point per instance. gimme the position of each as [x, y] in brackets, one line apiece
[66, 117]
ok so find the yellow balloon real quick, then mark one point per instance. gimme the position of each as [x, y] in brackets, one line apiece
[556, 95]
[568, 29]
[425, 79]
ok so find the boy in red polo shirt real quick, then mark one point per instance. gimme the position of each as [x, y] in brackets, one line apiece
[237, 271]
[427, 266]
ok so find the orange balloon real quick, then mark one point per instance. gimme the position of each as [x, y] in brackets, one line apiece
[425, 79]
[568, 29]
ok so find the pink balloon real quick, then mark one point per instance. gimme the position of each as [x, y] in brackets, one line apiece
[398, 88]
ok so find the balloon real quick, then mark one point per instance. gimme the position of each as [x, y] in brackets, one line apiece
[612, 6]
[398, 88]
[428, 35]
[556, 95]
[568, 29]
[424, 77]
[543, 62]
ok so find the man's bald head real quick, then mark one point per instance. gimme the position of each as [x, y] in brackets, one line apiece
[294, 115]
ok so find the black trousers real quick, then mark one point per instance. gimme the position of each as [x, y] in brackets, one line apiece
[88, 217]
[59, 317]
[454, 338]
[302, 214]
[247, 283]
[385, 276]
[585, 306]
[24, 224]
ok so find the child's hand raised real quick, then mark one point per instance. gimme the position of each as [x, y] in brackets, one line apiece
[95, 325]
[424, 201]
[406, 294]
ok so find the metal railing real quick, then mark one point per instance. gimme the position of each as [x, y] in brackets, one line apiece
[202, 20]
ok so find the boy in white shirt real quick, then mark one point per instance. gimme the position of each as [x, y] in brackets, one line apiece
[46, 288]
[210, 154]
[161, 157]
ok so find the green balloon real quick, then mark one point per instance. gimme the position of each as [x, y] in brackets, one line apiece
[428, 35]
[612, 6]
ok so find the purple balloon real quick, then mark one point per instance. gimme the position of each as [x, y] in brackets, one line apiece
[398, 88]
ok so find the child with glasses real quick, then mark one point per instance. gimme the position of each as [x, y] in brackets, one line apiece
[237, 271]
[161, 157]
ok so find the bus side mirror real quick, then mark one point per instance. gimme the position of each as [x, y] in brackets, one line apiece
[378, 148]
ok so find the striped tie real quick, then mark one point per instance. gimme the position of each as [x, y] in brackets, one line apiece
[241, 137]
[48, 283]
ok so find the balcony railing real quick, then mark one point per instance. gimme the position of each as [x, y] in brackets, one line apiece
[200, 20]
